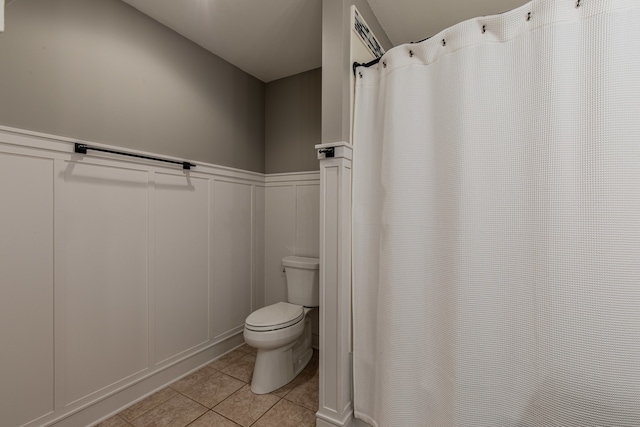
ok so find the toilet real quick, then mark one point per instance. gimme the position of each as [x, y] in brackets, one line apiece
[282, 331]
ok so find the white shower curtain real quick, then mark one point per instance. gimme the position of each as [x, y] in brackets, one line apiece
[496, 221]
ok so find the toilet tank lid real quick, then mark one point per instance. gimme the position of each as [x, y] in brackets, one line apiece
[301, 262]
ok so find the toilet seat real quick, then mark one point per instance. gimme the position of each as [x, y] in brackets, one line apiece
[276, 316]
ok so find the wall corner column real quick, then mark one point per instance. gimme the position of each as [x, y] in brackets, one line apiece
[336, 408]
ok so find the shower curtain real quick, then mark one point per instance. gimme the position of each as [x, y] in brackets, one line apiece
[496, 223]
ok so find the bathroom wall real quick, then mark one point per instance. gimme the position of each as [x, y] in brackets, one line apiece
[118, 275]
[99, 70]
[121, 274]
[292, 214]
[292, 122]
[292, 227]
[292, 193]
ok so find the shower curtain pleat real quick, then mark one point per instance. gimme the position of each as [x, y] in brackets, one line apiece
[496, 223]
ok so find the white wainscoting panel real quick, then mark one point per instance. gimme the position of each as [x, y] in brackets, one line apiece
[259, 248]
[119, 275]
[26, 288]
[232, 257]
[104, 218]
[280, 239]
[181, 264]
[308, 220]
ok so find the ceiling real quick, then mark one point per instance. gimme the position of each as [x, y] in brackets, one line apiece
[272, 39]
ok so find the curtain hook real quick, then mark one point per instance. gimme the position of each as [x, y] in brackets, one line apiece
[444, 42]
[578, 4]
[360, 74]
[484, 29]
[384, 64]
[529, 16]
[410, 54]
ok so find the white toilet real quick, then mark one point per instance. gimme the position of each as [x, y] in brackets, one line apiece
[282, 331]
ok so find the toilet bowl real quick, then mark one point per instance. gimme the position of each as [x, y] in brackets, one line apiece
[283, 351]
[282, 331]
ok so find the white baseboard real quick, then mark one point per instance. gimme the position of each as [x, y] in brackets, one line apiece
[128, 396]
[327, 418]
[350, 422]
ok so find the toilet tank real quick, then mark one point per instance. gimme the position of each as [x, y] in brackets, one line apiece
[302, 280]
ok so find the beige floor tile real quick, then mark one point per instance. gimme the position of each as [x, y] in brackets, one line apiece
[226, 359]
[287, 414]
[114, 422]
[248, 349]
[175, 412]
[244, 407]
[214, 389]
[241, 369]
[306, 394]
[192, 379]
[147, 404]
[285, 389]
[211, 419]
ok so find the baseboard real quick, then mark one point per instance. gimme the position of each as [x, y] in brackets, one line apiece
[359, 423]
[322, 423]
[327, 418]
[351, 422]
[115, 403]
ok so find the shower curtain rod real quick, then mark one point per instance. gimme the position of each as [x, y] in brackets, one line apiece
[366, 64]
[82, 149]
[375, 61]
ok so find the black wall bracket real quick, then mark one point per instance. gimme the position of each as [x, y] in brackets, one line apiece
[328, 152]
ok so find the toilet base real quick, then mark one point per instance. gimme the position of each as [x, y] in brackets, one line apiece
[279, 366]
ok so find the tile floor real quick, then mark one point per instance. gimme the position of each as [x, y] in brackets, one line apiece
[219, 395]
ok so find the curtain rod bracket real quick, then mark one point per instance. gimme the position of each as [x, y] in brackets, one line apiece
[367, 64]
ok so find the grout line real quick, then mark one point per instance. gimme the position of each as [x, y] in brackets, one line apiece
[267, 411]
[279, 398]
[226, 418]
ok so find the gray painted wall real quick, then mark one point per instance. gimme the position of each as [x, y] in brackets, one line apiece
[293, 122]
[336, 69]
[99, 70]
